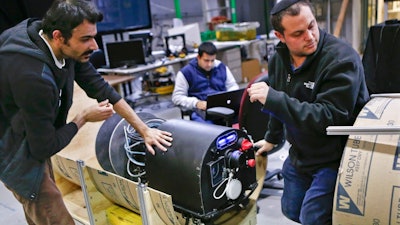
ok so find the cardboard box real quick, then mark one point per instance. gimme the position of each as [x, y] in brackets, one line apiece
[250, 69]
[368, 184]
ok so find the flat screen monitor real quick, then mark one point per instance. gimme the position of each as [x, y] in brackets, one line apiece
[125, 53]
[146, 37]
[123, 15]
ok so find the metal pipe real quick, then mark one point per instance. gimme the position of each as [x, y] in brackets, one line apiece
[365, 130]
[386, 95]
[141, 188]
[81, 165]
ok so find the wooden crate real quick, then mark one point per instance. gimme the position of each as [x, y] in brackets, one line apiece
[67, 180]
[104, 189]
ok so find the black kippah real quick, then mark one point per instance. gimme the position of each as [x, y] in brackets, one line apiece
[282, 5]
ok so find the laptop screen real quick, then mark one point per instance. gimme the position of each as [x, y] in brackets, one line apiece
[125, 53]
[229, 99]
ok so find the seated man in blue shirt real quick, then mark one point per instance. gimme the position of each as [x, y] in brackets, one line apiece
[203, 75]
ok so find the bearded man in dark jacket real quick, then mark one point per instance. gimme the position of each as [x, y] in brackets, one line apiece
[39, 63]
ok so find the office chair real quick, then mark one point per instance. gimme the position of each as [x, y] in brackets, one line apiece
[98, 59]
[255, 123]
[221, 115]
[225, 115]
[251, 118]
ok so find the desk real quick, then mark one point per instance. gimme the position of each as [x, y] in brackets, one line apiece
[118, 81]
[115, 80]
[121, 78]
[165, 62]
[144, 68]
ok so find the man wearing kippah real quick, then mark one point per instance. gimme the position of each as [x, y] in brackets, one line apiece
[316, 81]
[40, 60]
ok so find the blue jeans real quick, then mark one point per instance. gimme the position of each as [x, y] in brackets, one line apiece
[49, 207]
[199, 118]
[308, 197]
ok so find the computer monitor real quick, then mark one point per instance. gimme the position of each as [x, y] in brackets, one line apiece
[191, 32]
[123, 15]
[146, 37]
[125, 53]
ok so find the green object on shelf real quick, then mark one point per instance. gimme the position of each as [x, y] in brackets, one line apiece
[233, 11]
[236, 31]
[208, 35]
[178, 13]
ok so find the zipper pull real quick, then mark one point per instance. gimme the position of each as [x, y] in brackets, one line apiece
[288, 78]
[59, 98]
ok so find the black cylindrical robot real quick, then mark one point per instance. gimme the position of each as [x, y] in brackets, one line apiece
[207, 170]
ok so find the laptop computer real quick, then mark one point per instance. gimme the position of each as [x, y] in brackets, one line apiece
[228, 99]
[126, 53]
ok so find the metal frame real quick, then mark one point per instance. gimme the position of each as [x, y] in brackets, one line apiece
[141, 189]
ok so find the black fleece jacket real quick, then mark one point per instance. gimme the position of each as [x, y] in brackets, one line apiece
[35, 96]
[329, 89]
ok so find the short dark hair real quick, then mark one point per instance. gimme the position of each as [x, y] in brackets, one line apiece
[208, 48]
[293, 10]
[65, 15]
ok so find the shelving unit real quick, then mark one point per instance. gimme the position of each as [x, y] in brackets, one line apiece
[213, 8]
[232, 59]
[392, 10]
